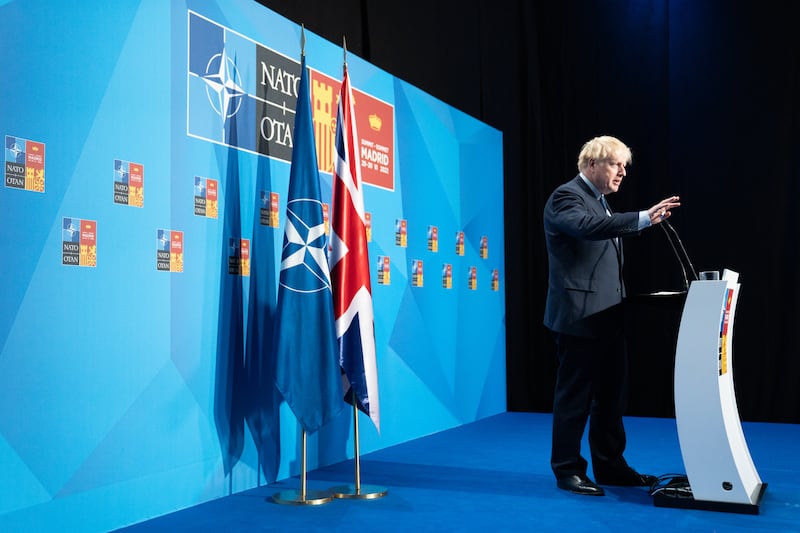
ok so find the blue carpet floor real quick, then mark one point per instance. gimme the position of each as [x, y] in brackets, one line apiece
[494, 475]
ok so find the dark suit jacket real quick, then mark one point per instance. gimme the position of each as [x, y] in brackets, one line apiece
[585, 283]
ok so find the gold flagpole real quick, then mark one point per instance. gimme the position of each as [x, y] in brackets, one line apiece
[358, 491]
[356, 447]
[303, 467]
[303, 496]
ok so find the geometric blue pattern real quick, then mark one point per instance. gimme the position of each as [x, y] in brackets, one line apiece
[109, 374]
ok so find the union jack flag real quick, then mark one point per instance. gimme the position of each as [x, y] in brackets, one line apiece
[349, 262]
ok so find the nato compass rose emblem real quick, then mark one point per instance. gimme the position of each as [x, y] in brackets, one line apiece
[15, 151]
[223, 85]
[70, 231]
[304, 267]
[163, 240]
[119, 170]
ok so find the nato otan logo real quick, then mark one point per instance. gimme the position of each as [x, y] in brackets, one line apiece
[169, 250]
[206, 203]
[269, 209]
[24, 164]
[416, 273]
[128, 183]
[78, 242]
[239, 92]
[238, 256]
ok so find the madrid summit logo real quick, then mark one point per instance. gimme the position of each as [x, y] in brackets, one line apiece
[240, 94]
[24, 168]
[78, 242]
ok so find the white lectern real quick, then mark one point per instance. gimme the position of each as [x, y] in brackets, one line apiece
[719, 468]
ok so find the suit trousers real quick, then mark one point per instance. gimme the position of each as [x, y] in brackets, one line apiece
[591, 385]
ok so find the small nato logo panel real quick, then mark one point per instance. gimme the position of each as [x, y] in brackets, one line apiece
[128, 183]
[205, 197]
[78, 242]
[169, 250]
[24, 164]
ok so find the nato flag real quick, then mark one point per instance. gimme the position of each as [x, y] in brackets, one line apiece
[307, 360]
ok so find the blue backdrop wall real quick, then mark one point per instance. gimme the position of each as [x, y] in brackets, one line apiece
[146, 168]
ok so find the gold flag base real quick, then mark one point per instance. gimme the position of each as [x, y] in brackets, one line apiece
[364, 492]
[357, 490]
[296, 497]
[302, 496]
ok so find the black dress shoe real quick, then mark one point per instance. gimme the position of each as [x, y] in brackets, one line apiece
[631, 478]
[579, 485]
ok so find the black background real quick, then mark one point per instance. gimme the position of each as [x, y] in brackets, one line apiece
[704, 92]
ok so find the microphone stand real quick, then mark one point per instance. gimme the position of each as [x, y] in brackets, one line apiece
[677, 255]
[685, 255]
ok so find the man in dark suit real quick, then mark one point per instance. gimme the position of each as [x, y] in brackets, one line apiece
[583, 310]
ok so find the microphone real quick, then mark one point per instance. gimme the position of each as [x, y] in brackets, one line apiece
[677, 255]
[683, 256]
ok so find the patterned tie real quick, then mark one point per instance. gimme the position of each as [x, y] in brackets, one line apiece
[616, 240]
[605, 204]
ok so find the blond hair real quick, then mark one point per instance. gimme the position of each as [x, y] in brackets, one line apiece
[603, 147]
